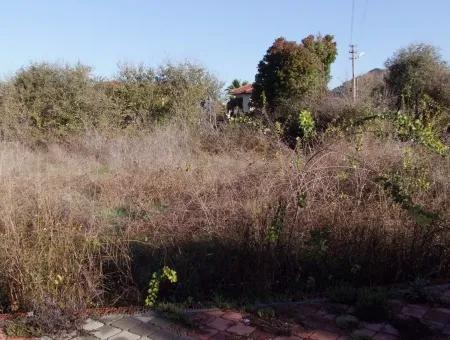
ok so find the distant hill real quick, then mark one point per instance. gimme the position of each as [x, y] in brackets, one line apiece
[366, 84]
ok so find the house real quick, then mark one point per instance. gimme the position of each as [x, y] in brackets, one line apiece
[240, 99]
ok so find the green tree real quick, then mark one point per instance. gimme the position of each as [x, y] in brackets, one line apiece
[294, 70]
[236, 83]
[416, 74]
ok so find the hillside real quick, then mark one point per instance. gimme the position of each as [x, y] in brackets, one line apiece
[367, 83]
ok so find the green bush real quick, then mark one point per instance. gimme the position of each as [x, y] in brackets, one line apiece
[51, 101]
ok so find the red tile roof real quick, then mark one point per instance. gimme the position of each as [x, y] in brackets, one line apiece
[246, 89]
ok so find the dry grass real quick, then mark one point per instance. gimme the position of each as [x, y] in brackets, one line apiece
[87, 223]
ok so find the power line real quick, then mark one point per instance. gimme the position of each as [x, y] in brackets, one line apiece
[352, 22]
[362, 24]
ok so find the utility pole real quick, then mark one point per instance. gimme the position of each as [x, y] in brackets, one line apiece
[353, 57]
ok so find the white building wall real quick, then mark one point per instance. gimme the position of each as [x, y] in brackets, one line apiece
[246, 103]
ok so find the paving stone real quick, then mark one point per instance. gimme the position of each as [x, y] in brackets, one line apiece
[301, 332]
[124, 335]
[384, 336]
[220, 324]
[389, 329]
[148, 313]
[445, 297]
[323, 335]
[85, 337]
[67, 335]
[260, 335]
[219, 336]
[126, 323]
[106, 332]
[162, 334]
[376, 327]
[201, 318]
[446, 330]
[142, 329]
[396, 306]
[416, 311]
[440, 315]
[364, 332]
[110, 318]
[232, 316]
[90, 325]
[144, 319]
[161, 322]
[204, 333]
[434, 325]
[323, 314]
[241, 329]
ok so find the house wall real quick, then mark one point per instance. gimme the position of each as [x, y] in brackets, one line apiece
[245, 102]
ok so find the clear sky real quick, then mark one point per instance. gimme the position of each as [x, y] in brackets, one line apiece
[228, 37]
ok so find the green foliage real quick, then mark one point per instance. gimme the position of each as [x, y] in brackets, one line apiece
[415, 72]
[406, 128]
[54, 100]
[301, 199]
[292, 70]
[21, 328]
[371, 304]
[145, 95]
[277, 224]
[307, 125]
[246, 121]
[420, 215]
[409, 128]
[318, 242]
[266, 313]
[236, 83]
[47, 102]
[165, 274]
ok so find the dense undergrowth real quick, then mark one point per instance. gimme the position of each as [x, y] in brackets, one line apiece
[91, 211]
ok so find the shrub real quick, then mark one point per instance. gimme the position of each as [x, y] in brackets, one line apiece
[45, 103]
[22, 328]
[371, 304]
[164, 274]
[343, 293]
[50, 101]
[417, 71]
[347, 322]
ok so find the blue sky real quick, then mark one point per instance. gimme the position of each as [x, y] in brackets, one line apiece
[228, 37]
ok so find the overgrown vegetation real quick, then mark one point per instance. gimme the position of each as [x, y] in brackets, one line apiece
[106, 182]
